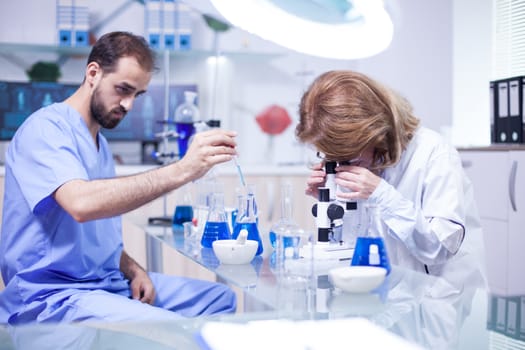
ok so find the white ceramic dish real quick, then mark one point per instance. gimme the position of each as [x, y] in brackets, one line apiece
[357, 279]
[229, 251]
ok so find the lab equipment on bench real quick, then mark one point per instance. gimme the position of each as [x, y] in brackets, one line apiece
[370, 250]
[217, 224]
[247, 219]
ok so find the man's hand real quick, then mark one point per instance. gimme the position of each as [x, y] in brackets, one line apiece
[142, 288]
[140, 284]
[207, 149]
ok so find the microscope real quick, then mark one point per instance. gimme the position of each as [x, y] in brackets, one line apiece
[330, 213]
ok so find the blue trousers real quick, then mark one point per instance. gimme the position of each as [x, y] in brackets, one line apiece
[176, 297]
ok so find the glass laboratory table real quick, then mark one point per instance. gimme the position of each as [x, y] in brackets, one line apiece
[425, 311]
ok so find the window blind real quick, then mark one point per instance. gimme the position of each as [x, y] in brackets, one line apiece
[508, 52]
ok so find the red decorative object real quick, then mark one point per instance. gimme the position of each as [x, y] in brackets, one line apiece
[273, 120]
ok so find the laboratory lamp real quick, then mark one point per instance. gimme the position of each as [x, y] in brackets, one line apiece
[340, 29]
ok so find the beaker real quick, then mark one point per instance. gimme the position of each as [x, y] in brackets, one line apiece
[370, 250]
[183, 211]
[247, 219]
[217, 224]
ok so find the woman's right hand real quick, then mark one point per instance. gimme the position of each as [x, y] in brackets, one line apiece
[317, 179]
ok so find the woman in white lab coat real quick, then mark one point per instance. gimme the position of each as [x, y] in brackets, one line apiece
[413, 176]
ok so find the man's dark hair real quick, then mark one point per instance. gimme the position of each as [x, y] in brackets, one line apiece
[112, 46]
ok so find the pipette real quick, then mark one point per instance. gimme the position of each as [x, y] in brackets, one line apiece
[239, 171]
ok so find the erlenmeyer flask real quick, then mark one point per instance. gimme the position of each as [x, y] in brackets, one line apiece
[370, 250]
[217, 224]
[247, 219]
[285, 233]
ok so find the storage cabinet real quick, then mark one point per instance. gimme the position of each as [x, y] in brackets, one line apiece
[498, 177]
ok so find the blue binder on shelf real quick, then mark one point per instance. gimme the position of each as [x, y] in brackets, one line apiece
[153, 22]
[168, 24]
[72, 21]
[182, 27]
[64, 20]
[81, 22]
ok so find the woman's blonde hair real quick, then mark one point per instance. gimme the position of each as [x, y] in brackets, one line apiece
[344, 112]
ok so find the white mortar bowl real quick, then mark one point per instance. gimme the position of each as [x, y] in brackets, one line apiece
[357, 279]
[230, 252]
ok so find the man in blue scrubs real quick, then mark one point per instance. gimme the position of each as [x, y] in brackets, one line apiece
[61, 252]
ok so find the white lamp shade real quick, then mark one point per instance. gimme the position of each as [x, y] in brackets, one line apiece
[368, 31]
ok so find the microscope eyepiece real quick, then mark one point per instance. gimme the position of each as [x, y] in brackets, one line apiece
[330, 167]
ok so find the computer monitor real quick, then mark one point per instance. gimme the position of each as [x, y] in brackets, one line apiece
[19, 99]
[146, 117]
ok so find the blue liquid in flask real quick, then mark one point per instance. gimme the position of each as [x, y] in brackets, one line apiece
[185, 131]
[183, 213]
[288, 241]
[214, 231]
[362, 252]
[253, 233]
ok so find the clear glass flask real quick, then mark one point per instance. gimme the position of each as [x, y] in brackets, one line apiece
[285, 233]
[247, 219]
[217, 223]
[370, 250]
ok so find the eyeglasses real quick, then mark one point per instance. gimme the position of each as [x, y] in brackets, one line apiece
[356, 161]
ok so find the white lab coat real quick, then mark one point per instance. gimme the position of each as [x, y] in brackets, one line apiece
[430, 219]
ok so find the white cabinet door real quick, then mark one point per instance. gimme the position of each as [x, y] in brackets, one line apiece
[489, 175]
[516, 198]
[496, 240]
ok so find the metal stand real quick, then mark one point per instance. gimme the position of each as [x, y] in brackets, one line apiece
[164, 156]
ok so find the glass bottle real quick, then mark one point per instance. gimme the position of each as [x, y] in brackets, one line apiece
[370, 250]
[247, 219]
[186, 115]
[217, 224]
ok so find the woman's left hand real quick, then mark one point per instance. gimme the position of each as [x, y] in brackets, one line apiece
[361, 181]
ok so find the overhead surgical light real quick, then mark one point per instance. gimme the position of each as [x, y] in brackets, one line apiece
[341, 29]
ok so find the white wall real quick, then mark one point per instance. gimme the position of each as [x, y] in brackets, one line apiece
[424, 63]
[472, 71]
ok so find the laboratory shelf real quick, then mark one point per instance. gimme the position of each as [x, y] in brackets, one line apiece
[13, 48]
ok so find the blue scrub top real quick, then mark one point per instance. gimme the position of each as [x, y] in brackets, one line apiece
[43, 250]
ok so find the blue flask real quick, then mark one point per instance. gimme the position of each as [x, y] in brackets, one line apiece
[247, 219]
[217, 224]
[370, 250]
